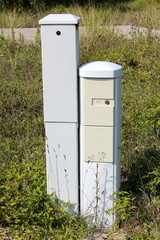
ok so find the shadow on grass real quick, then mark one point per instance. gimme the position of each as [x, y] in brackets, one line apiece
[140, 172]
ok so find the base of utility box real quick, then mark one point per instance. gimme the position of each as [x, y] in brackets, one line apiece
[97, 193]
[62, 169]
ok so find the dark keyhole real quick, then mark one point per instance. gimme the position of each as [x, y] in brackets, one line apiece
[107, 102]
[58, 33]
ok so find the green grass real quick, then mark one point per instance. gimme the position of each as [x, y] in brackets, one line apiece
[25, 207]
[134, 13]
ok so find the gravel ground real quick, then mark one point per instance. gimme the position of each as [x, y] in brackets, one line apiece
[31, 34]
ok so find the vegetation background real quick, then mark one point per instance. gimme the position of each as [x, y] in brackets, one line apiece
[25, 209]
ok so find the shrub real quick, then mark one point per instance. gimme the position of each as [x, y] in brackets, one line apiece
[24, 203]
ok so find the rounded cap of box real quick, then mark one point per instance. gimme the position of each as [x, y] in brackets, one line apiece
[100, 69]
[57, 19]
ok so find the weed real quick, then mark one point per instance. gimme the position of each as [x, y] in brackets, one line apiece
[25, 207]
[130, 216]
[94, 15]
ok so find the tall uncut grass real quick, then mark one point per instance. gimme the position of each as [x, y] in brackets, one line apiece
[26, 211]
[104, 14]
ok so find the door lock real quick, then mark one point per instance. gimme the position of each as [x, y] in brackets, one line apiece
[107, 102]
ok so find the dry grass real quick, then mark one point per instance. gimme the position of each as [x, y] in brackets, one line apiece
[122, 14]
[14, 19]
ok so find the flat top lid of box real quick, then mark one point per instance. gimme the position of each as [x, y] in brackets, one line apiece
[100, 69]
[60, 19]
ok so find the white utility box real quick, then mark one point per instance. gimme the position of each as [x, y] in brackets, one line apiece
[100, 108]
[60, 60]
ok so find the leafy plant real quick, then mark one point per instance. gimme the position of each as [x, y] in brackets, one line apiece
[123, 208]
[26, 209]
[152, 185]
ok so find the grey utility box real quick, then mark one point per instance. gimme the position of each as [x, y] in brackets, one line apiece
[60, 60]
[100, 107]
[83, 158]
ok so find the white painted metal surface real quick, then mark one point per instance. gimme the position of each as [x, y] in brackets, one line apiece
[59, 64]
[96, 192]
[97, 144]
[95, 94]
[60, 19]
[100, 146]
[60, 60]
[62, 164]
[100, 69]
